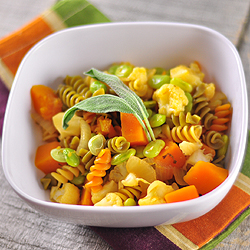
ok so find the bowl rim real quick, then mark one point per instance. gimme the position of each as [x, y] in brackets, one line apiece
[232, 176]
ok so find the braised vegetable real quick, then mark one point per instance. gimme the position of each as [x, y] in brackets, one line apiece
[132, 130]
[205, 176]
[45, 101]
[44, 160]
[182, 194]
[170, 157]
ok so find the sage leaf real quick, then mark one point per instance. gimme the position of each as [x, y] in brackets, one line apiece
[99, 104]
[125, 93]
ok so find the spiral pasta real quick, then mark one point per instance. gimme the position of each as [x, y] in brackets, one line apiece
[129, 192]
[79, 84]
[185, 119]
[222, 114]
[98, 170]
[69, 96]
[118, 144]
[201, 106]
[190, 133]
[66, 173]
[213, 139]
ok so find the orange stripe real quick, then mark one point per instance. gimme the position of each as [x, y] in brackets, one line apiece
[204, 228]
[15, 46]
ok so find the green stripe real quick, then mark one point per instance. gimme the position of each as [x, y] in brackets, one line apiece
[246, 169]
[78, 12]
[214, 242]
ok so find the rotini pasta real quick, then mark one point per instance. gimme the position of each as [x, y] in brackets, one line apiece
[187, 122]
[98, 170]
[178, 134]
[118, 144]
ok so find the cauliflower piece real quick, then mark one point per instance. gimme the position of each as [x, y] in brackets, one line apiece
[188, 148]
[171, 99]
[199, 155]
[108, 187]
[68, 194]
[138, 82]
[111, 199]
[155, 193]
[192, 74]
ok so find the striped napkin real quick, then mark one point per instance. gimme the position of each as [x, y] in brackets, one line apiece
[202, 233]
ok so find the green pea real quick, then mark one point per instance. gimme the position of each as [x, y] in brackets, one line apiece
[153, 148]
[96, 85]
[222, 151]
[58, 155]
[182, 84]
[72, 158]
[78, 180]
[189, 106]
[96, 144]
[119, 158]
[112, 69]
[149, 104]
[123, 70]
[129, 202]
[156, 81]
[157, 120]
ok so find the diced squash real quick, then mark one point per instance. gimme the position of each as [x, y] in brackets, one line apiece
[132, 130]
[44, 160]
[86, 197]
[45, 101]
[182, 194]
[205, 176]
[169, 158]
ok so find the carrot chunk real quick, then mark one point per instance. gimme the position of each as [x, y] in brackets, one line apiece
[44, 160]
[205, 176]
[182, 194]
[132, 130]
[169, 158]
[45, 101]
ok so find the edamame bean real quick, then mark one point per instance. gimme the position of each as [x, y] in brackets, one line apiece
[123, 70]
[112, 69]
[156, 81]
[222, 151]
[153, 148]
[182, 84]
[58, 155]
[71, 157]
[139, 151]
[96, 144]
[119, 158]
[78, 180]
[189, 106]
[149, 104]
[157, 120]
[96, 85]
[129, 202]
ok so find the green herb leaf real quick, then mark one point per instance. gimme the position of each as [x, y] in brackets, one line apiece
[98, 104]
[125, 93]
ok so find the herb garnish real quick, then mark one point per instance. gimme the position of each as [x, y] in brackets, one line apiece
[126, 101]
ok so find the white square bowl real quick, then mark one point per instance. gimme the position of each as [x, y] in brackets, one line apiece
[150, 44]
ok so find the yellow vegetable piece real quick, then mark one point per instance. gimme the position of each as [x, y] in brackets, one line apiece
[156, 193]
[68, 194]
[110, 199]
[171, 99]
